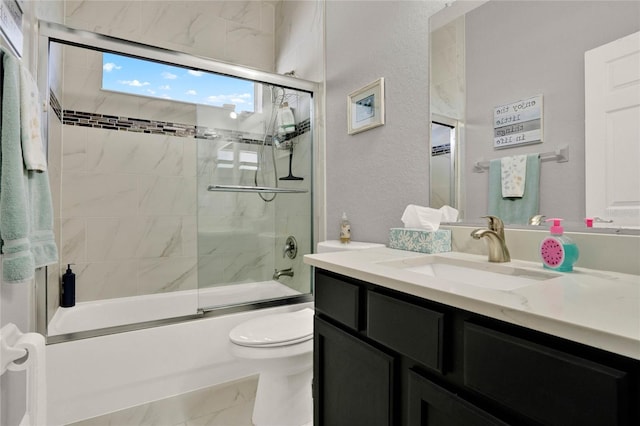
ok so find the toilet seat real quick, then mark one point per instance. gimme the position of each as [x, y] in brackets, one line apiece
[275, 330]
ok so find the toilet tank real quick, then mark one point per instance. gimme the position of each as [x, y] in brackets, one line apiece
[336, 245]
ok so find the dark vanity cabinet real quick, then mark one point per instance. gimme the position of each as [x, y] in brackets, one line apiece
[383, 357]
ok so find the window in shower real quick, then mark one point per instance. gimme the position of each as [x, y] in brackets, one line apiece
[135, 76]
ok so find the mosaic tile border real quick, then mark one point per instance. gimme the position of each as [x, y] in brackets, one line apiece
[139, 125]
[53, 101]
[440, 150]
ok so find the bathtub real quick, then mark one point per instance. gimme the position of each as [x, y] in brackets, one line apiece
[129, 310]
[99, 375]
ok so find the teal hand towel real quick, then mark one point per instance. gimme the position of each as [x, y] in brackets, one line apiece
[17, 260]
[26, 213]
[515, 211]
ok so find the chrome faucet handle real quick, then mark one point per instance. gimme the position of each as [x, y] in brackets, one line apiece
[536, 220]
[290, 248]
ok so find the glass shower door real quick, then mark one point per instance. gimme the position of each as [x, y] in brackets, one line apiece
[254, 198]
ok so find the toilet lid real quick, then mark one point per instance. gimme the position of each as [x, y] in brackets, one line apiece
[275, 330]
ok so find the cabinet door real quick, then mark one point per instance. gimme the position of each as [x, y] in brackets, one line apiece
[547, 385]
[353, 381]
[432, 405]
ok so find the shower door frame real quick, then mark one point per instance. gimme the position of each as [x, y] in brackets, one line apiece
[52, 32]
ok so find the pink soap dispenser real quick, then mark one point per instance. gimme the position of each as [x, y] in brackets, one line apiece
[558, 252]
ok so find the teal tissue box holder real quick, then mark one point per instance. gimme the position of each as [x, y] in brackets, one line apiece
[420, 240]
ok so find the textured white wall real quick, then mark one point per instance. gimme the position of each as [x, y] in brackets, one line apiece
[373, 175]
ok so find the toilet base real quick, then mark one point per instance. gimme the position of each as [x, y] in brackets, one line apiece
[284, 400]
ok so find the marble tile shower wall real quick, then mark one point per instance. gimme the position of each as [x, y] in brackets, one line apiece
[127, 213]
[130, 224]
[447, 65]
[240, 32]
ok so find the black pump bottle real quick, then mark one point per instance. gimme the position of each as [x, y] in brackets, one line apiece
[68, 289]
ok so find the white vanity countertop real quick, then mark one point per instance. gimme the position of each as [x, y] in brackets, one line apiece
[597, 308]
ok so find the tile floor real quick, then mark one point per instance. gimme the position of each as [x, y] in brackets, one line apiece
[228, 404]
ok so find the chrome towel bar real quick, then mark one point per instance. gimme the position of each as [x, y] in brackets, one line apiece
[260, 189]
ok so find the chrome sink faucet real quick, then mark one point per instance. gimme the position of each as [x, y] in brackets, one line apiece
[536, 220]
[498, 251]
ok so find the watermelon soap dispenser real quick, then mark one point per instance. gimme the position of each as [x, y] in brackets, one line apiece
[558, 252]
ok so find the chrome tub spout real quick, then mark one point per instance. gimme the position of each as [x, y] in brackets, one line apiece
[286, 272]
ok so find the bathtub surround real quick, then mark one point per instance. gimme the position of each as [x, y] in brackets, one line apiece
[245, 33]
[135, 213]
[143, 366]
[128, 212]
[124, 311]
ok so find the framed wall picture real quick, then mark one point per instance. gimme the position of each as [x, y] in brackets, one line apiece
[365, 107]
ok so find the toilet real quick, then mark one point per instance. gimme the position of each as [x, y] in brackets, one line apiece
[281, 346]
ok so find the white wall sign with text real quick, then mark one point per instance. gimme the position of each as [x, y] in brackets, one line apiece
[518, 123]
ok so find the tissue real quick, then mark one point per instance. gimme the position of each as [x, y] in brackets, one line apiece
[420, 232]
[419, 217]
[449, 214]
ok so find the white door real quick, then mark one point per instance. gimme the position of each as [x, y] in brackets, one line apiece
[612, 120]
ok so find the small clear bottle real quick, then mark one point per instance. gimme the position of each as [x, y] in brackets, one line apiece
[345, 229]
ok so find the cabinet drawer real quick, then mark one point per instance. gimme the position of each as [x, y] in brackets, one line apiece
[409, 329]
[337, 299]
[547, 385]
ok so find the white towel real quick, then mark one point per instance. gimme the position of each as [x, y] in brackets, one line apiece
[30, 113]
[514, 170]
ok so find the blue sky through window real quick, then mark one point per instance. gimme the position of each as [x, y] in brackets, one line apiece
[147, 78]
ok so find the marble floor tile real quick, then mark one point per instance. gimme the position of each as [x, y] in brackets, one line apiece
[227, 404]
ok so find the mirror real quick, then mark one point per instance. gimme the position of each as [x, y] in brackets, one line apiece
[486, 54]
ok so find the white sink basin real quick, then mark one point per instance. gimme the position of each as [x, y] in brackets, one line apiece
[497, 276]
